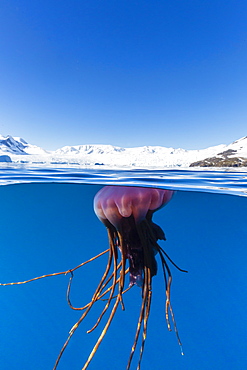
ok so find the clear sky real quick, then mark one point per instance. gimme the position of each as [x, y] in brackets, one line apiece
[126, 73]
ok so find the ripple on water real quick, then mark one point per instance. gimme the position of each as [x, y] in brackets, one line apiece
[225, 181]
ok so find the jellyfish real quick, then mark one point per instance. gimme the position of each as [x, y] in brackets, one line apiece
[127, 213]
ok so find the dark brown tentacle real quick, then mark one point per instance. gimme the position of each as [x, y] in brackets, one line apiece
[115, 296]
[147, 312]
[146, 291]
[168, 301]
[101, 295]
[139, 324]
[168, 281]
[103, 333]
[118, 298]
[169, 258]
[94, 299]
[145, 233]
[122, 272]
[114, 252]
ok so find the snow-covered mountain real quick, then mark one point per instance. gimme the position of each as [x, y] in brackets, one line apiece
[233, 155]
[19, 151]
[16, 145]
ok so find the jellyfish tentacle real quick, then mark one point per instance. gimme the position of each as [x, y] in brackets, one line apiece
[154, 239]
[139, 324]
[169, 258]
[146, 316]
[56, 273]
[147, 239]
[115, 296]
[93, 300]
[102, 294]
[176, 329]
[68, 289]
[122, 272]
[113, 248]
[143, 317]
[95, 297]
[167, 275]
[103, 333]
[109, 278]
[168, 301]
[150, 269]
[168, 281]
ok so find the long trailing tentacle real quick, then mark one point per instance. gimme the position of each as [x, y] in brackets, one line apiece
[101, 294]
[114, 252]
[98, 294]
[103, 333]
[143, 317]
[116, 295]
[115, 239]
[100, 297]
[147, 272]
[138, 329]
[113, 276]
[148, 238]
[93, 300]
[119, 299]
[168, 281]
[168, 301]
[56, 273]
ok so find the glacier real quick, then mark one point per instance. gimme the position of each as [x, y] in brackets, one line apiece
[19, 151]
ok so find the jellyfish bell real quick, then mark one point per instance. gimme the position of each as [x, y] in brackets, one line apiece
[115, 202]
[127, 212]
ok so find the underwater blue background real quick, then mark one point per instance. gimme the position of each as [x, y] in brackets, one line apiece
[48, 228]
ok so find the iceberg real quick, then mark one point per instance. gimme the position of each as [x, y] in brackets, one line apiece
[5, 158]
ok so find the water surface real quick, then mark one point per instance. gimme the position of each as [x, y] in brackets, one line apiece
[225, 181]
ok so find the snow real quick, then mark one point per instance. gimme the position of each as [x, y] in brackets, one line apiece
[240, 146]
[112, 156]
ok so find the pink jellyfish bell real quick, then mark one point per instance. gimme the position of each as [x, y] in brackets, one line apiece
[127, 213]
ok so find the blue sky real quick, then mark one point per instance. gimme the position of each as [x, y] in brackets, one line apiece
[126, 73]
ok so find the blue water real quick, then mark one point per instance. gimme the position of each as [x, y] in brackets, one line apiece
[48, 225]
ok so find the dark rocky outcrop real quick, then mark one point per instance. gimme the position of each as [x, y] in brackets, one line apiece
[223, 161]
